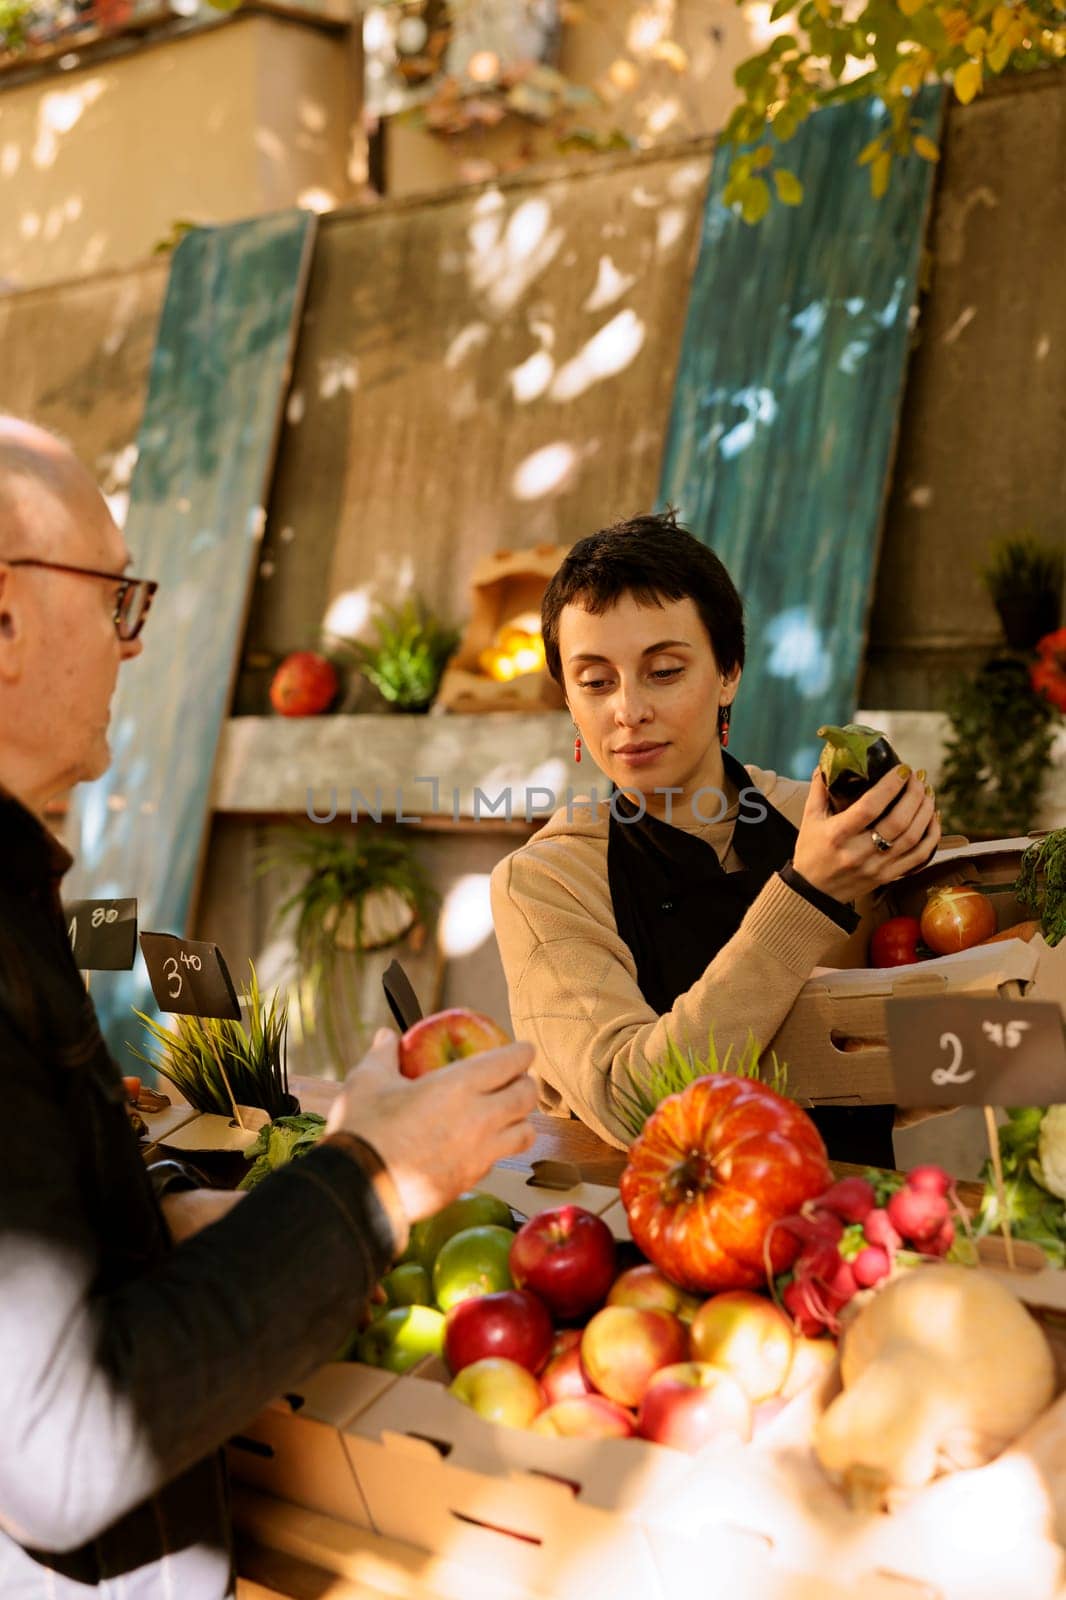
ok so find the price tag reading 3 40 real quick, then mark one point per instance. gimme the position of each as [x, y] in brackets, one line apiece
[967, 1051]
[189, 976]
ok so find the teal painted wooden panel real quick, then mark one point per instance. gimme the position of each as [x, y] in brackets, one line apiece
[784, 418]
[205, 456]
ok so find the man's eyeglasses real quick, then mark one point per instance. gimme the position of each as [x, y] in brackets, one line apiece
[133, 596]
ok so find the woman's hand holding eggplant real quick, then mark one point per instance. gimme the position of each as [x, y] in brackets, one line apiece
[839, 853]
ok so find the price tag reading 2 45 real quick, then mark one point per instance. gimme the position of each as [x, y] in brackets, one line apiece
[967, 1051]
[189, 976]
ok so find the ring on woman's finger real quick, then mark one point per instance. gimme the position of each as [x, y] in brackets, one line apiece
[880, 842]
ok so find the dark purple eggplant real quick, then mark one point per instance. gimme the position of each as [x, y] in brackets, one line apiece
[853, 759]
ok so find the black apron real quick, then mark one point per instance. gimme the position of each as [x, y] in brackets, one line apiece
[675, 907]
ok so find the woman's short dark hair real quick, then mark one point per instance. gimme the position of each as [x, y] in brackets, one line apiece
[653, 558]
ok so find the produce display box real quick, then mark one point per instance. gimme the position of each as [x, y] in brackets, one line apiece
[835, 1038]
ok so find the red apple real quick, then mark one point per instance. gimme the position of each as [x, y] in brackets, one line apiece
[566, 1256]
[623, 1345]
[512, 1323]
[691, 1403]
[304, 685]
[746, 1335]
[646, 1288]
[564, 1376]
[499, 1390]
[447, 1036]
[588, 1416]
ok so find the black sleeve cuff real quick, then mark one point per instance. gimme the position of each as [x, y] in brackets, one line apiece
[844, 917]
[174, 1177]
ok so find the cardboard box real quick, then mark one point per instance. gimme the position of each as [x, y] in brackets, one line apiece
[293, 1449]
[507, 585]
[835, 1038]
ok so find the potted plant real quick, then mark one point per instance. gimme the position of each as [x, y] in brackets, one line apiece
[356, 893]
[998, 751]
[208, 1059]
[407, 662]
[1024, 579]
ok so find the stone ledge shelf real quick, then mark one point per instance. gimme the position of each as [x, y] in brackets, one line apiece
[502, 766]
[271, 765]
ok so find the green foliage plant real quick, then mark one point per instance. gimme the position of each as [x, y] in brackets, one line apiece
[201, 1056]
[998, 752]
[412, 649]
[1024, 579]
[355, 892]
[674, 1071]
[833, 51]
[1041, 883]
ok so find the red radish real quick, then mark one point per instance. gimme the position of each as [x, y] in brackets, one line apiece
[851, 1199]
[877, 1229]
[942, 1242]
[929, 1180]
[817, 1262]
[821, 1227]
[800, 1300]
[871, 1265]
[917, 1214]
[841, 1287]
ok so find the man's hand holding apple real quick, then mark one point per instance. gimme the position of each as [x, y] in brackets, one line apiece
[438, 1134]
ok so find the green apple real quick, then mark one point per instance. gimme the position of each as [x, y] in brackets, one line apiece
[471, 1210]
[473, 1262]
[499, 1390]
[408, 1285]
[401, 1337]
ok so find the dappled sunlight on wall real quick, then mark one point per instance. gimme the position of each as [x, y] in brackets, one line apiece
[466, 917]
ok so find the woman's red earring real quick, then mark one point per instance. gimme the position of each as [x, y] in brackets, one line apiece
[577, 749]
[724, 714]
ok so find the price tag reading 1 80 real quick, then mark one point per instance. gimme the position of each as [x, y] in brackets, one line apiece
[189, 976]
[103, 934]
[967, 1051]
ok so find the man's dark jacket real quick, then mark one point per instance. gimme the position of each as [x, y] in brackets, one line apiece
[125, 1362]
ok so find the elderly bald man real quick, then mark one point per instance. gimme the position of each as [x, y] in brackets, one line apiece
[136, 1336]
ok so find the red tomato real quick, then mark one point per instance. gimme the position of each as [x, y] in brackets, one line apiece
[714, 1168]
[956, 918]
[895, 942]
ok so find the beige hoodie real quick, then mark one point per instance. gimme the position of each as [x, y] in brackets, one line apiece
[572, 980]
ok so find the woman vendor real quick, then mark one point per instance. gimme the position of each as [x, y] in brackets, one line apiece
[701, 894]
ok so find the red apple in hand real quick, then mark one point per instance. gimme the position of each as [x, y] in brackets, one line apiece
[447, 1036]
[690, 1404]
[587, 1416]
[304, 685]
[566, 1256]
[623, 1346]
[645, 1286]
[513, 1324]
[746, 1335]
[499, 1390]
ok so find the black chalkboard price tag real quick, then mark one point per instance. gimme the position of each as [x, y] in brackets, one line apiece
[958, 1050]
[189, 976]
[103, 934]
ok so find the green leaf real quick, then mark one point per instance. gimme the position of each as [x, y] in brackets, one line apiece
[756, 200]
[762, 157]
[871, 151]
[788, 186]
[924, 147]
[781, 8]
[846, 749]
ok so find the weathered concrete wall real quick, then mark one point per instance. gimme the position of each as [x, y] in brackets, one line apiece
[981, 452]
[249, 116]
[483, 370]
